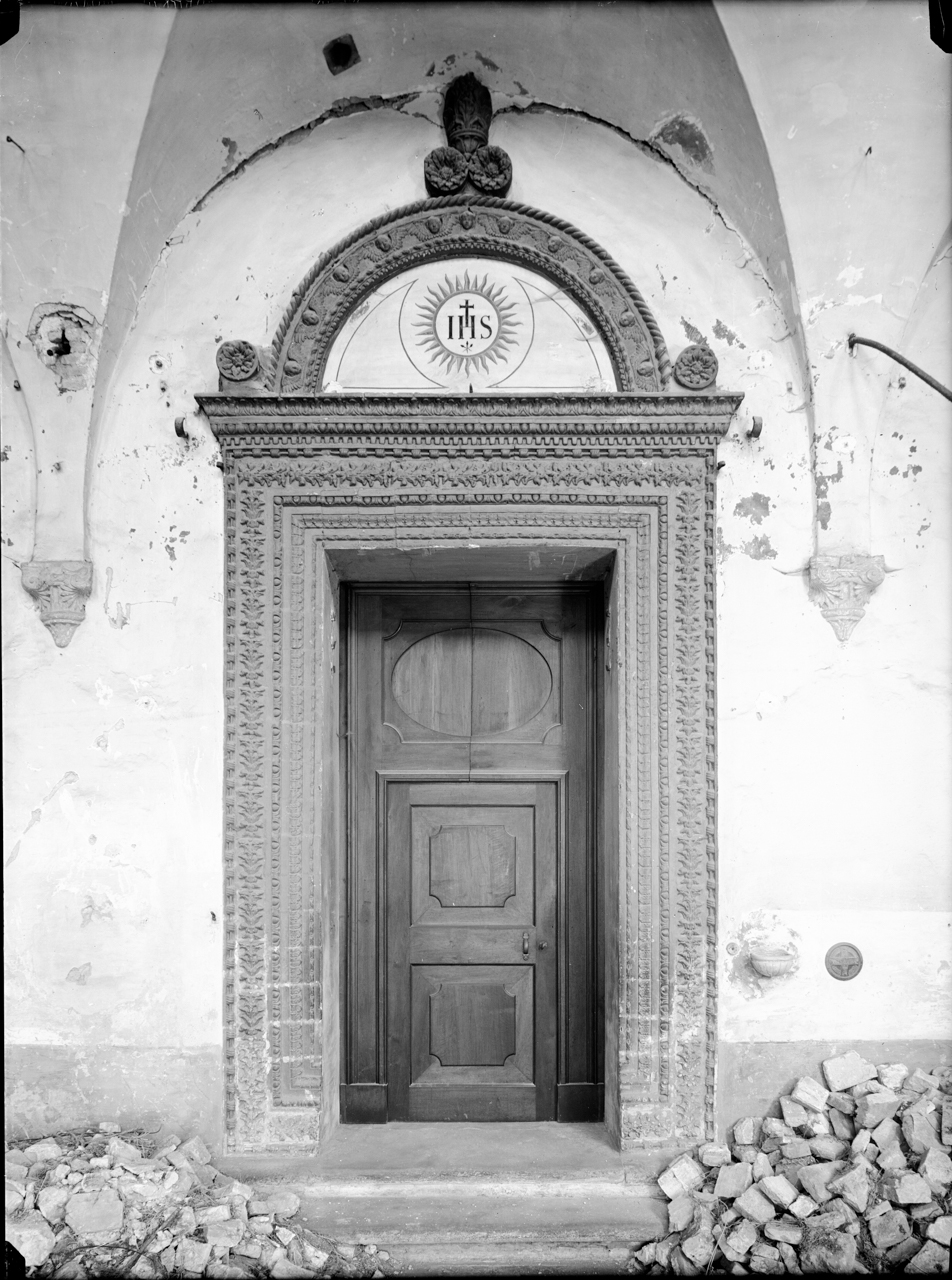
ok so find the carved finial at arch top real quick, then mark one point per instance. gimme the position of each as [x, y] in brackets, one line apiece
[469, 158]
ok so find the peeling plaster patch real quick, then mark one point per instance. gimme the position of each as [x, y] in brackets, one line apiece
[80, 973]
[486, 62]
[727, 335]
[103, 692]
[759, 361]
[686, 133]
[856, 300]
[231, 147]
[65, 338]
[759, 548]
[103, 740]
[94, 909]
[922, 528]
[724, 549]
[755, 508]
[851, 276]
[814, 307]
[694, 334]
[123, 612]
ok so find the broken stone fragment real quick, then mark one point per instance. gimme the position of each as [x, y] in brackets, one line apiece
[195, 1151]
[828, 1148]
[283, 1269]
[834, 1252]
[842, 1102]
[778, 1189]
[802, 1207]
[191, 1255]
[213, 1213]
[841, 1125]
[260, 1226]
[284, 1204]
[713, 1154]
[120, 1150]
[774, 1128]
[225, 1235]
[946, 1124]
[753, 1204]
[931, 1259]
[920, 1081]
[907, 1188]
[698, 1248]
[797, 1149]
[249, 1249]
[761, 1168]
[32, 1237]
[810, 1093]
[892, 1158]
[51, 1202]
[853, 1187]
[794, 1113]
[682, 1175]
[815, 1178]
[846, 1070]
[875, 1107]
[46, 1149]
[889, 1229]
[941, 1230]
[747, 1131]
[680, 1213]
[937, 1167]
[743, 1237]
[919, 1132]
[782, 1229]
[96, 1216]
[892, 1074]
[817, 1125]
[732, 1180]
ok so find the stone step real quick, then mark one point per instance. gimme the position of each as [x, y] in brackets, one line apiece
[493, 1231]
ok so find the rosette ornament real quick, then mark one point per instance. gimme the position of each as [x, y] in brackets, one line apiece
[469, 157]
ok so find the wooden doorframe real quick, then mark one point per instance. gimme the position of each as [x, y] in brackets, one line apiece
[317, 489]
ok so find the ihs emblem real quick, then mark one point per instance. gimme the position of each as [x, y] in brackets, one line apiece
[467, 322]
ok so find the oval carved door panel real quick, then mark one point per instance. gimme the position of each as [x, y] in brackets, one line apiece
[471, 682]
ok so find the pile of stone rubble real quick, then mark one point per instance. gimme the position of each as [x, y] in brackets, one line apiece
[111, 1203]
[854, 1177]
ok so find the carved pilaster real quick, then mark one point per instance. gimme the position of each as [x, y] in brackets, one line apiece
[60, 589]
[842, 585]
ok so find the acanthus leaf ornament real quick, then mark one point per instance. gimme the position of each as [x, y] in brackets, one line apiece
[696, 367]
[60, 589]
[842, 585]
[468, 157]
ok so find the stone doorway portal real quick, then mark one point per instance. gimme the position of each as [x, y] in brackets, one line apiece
[325, 487]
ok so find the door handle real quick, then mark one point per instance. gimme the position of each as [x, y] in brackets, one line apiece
[525, 945]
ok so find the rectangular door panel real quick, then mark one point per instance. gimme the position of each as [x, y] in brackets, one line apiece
[472, 996]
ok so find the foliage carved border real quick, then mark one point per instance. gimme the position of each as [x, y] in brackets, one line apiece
[456, 227]
[609, 474]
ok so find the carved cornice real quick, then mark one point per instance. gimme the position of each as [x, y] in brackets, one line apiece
[460, 226]
[60, 589]
[629, 415]
[842, 585]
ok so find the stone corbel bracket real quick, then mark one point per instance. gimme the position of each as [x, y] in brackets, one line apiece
[60, 589]
[842, 585]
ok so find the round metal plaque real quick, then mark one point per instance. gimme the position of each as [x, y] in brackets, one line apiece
[843, 961]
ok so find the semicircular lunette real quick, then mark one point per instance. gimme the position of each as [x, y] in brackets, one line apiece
[471, 681]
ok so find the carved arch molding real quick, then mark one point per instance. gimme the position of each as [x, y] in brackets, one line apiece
[314, 482]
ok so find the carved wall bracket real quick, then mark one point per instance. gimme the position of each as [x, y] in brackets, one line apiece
[60, 589]
[467, 115]
[842, 585]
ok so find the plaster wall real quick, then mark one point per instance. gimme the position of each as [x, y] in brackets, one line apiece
[834, 816]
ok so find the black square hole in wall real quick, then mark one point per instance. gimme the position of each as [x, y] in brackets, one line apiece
[341, 54]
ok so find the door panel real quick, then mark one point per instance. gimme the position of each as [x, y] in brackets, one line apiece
[467, 971]
[471, 989]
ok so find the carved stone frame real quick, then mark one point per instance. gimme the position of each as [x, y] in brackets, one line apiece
[311, 479]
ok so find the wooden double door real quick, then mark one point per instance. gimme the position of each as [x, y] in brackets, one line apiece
[471, 956]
